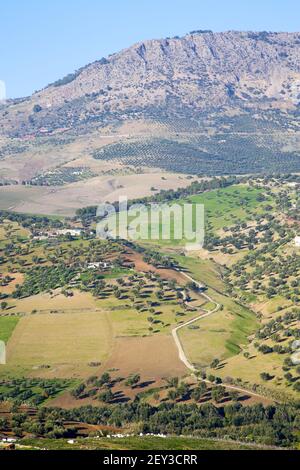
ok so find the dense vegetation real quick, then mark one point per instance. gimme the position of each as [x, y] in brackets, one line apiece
[41, 279]
[34, 392]
[272, 425]
[31, 221]
[251, 229]
[228, 153]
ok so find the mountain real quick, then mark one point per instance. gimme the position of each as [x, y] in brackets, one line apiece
[206, 102]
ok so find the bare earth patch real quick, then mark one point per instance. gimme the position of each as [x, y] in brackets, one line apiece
[153, 357]
[18, 278]
[46, 303]
[65, 200]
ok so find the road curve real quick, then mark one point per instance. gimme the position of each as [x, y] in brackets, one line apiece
[181, 353]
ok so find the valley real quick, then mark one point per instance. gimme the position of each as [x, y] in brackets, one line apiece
[116, 333]
[95, 320]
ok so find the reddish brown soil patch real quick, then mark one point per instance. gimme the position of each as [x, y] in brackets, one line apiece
[17, 278]
[168, 274]
[84, 429]
[153, 358]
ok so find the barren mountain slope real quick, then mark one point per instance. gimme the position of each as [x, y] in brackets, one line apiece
[218, 102]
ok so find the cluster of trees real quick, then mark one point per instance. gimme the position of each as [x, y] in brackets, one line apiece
[280, 324]
[272, 425]
[264, 271]
[158, 260]
[44, 279]
[102, 388]
[278, 330]
[31, 391]
[30, 221]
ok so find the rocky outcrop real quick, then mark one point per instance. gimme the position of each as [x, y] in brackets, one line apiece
[201, 71]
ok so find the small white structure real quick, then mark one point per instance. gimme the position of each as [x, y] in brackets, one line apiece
[297, 241]
[75, 232]
[98, 265]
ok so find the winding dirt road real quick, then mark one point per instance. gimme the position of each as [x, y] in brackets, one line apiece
[181, 353]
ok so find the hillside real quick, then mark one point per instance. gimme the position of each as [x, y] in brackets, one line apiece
[208, 102]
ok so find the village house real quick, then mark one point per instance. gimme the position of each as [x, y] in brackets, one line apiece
[99, 265]
[57, 233]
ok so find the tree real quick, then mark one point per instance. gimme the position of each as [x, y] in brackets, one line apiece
[199, 391]
[133, 380]
[215, 363]
[107, 396]
[296, 387]
[288, 376]
[183, 390]
[37, 108]
[218, 393]
[233, 395]
[105, 379]
[173, 382]
[3, 424]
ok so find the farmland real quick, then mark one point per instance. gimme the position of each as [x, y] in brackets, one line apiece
[66, 198]
[149, 233]
[91, 320]
[7, 326]
[223, 207]
[42, 341]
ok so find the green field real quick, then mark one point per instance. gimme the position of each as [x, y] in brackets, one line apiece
[224, 333]
[222, 207]
[138, 443]
[69, 339]
[7, 326]
[205, 271]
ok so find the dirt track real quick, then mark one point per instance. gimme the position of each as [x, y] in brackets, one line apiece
[182, 355]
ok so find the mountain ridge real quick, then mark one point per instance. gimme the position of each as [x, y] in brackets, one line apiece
[214, 103]
[200, 71]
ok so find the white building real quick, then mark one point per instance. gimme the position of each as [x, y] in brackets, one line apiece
[100, 264]
[297, 241]
[75, 232]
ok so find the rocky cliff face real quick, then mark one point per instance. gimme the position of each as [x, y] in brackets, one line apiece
[203, 104]
[200, 72]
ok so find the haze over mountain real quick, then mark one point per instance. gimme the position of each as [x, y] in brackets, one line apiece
[217, 102]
